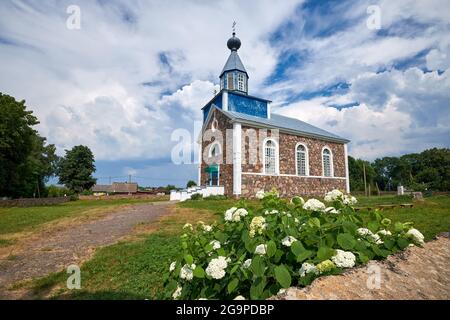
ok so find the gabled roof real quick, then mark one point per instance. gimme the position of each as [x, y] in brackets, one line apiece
[285, 124]
[233, 63]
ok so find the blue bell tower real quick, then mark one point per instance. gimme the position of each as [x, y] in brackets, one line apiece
[234, 77]
[233, 97]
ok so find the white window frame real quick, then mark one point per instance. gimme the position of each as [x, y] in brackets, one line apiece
[331, 162]
[277, 157]
[211, 148]
[241, 82]
[306, 159]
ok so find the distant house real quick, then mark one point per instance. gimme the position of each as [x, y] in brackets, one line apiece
[116, 187]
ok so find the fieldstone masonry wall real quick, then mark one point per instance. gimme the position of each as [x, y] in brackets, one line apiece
[287, 183]
[226, 167]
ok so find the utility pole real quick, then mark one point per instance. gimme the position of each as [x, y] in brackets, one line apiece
[365, 185]
[109, 180]
[129, 178]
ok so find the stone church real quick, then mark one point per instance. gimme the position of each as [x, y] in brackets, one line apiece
[245, 148]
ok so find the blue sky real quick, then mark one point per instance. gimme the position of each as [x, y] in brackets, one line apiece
[138, 70]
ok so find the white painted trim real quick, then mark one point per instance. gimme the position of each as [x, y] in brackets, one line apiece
[290, 175]
[306, 159]
[277, 155]
[199, 180]
[237, 158]
[347, 175]
[212, 147]
[224, 100]
[331, 161]
[269, 110]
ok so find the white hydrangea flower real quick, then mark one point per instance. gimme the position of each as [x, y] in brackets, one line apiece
[172, 266]
[216, 268]
[261, 249]
[202, 299]
[239, 213]
[314, 205]
[281, 291]
[349, 200]
[188, 226]
[296, 220]
[247, 263]
[239, 298]
[267, 212]
[207, 228]
[260, 194]
[288, 241]
[215, 244]
[333, 195]
[289, 215]
[385, 232]
[229, 214]
[416, 235]
[257, 226]
[307, 268]
[344, 259]
[177, 293]
[187, 272]
[367, 233]
[331, 210]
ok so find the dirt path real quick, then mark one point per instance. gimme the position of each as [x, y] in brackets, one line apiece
[74, 244]
[417, 273]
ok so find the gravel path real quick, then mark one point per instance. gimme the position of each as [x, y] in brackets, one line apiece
[73, 245]
[417, 273]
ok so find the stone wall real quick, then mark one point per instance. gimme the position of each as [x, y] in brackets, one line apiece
[225, 159]
[287, 183]
[32, 202]
[289, 186]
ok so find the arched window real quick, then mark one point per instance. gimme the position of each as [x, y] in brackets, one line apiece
[214, 125]
[214, 150]
[270, 157]
[302, 161]
[327, 162]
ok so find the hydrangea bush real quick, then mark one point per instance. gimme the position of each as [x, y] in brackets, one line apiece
[253, 254]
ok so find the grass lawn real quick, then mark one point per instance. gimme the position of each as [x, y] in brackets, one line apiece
[133, 269]
[17, 219]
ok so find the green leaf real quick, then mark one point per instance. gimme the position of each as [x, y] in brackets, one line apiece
[188, 258]
[271, 248]
[232, 285]
[258, 266]
[297, 248]
[346, 241]
[402, 243]
[233, 270]
[373, 226]
[324, 253]
[389, 244]
[283, 277]
[199, 272]
[257, 288]
[304, 255]
[314, 222]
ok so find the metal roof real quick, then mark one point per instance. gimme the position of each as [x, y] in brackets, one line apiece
[285, 124]
[233, 63]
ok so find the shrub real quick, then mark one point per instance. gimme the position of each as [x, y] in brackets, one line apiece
[197, 196]
[254, 254]
[215, 198]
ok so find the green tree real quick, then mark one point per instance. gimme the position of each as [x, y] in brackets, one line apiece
[191, 183]
[26, 162]
[76, 168]
[356, 173]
